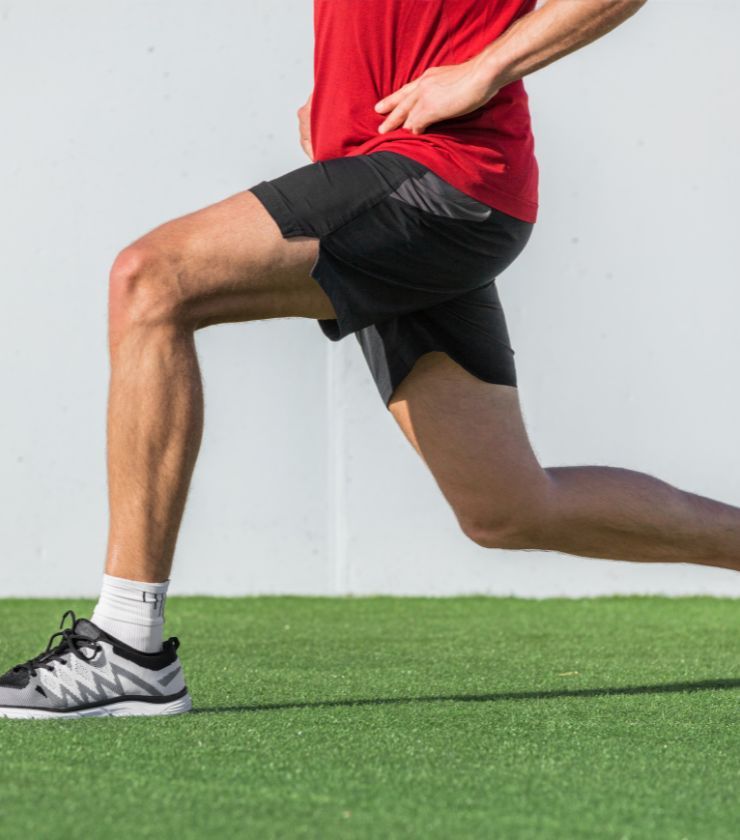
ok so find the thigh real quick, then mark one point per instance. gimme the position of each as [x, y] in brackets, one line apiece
[471, 435]
[230, 262]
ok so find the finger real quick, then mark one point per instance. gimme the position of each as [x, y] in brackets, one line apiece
[389, 102]
[397, 116]
[418, 120]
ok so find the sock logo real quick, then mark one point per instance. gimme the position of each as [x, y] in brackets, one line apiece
[157, 602]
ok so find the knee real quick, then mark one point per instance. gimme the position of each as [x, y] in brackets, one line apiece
[140, 290]
[516, 529]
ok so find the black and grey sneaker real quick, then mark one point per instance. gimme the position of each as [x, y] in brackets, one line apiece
[84, 672]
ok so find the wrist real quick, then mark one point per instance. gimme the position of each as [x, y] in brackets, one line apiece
[491, 71]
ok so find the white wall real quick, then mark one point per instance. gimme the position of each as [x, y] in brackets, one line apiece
[623, 310]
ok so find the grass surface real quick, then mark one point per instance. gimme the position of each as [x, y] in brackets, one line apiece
[384, 718]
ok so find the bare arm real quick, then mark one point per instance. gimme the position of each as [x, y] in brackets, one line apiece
[556, 29]
[553, 30]
[304, 127]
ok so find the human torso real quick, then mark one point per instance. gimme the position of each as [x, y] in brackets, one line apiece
[366, 49]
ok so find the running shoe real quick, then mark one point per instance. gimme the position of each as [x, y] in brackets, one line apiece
[84, 672]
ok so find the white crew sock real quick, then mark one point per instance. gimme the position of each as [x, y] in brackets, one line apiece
[132, 612]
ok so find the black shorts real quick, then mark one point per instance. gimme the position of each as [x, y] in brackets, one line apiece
[408, 261]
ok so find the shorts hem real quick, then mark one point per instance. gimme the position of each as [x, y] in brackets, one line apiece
[279, 210]
[388, 389]
[335, 329]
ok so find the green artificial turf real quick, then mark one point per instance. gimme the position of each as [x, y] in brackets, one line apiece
[402, 718]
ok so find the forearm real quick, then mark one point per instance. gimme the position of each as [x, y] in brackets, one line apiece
[554, 30]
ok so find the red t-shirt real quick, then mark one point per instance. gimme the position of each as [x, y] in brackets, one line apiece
[366, 49]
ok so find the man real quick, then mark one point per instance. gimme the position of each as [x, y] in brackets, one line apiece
[422, 190]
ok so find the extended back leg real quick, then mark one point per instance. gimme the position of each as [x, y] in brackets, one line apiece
[472, 437]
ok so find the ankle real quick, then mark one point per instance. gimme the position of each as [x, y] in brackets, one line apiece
[132, 612]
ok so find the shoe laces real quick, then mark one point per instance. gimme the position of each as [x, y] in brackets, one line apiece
[70, 643]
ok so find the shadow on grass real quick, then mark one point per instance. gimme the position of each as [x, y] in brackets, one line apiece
[665, 688]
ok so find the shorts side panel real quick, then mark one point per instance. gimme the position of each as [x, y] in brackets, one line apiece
[470, 329]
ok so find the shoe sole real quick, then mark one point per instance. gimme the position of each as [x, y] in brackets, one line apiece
[124, 708]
